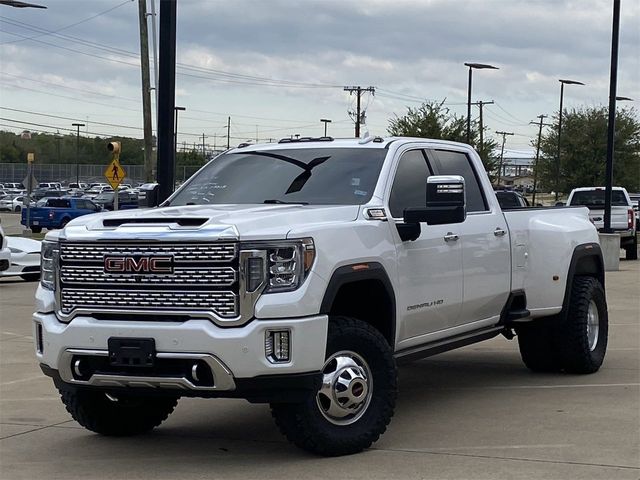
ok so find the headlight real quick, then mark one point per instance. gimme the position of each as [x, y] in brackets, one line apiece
[287, 264]
[50, 254]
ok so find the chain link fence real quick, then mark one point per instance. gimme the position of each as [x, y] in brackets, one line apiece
[66, 173]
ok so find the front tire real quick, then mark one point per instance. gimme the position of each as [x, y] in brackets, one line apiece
[117, 415]
[357, 398]
[36, 229]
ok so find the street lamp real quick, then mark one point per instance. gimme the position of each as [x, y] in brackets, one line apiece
[325, 121]
[19, 4]
[624, 99]
[471, 66]
[78, 125]
[562, 84]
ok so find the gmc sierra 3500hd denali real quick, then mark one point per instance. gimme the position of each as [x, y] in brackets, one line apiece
[297, 274]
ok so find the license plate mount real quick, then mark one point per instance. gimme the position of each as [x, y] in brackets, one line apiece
[131, 352]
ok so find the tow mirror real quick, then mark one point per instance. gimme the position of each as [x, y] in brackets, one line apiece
[445, 203]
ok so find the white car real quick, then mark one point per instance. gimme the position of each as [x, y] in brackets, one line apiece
[12, 203]
[5, 253]
[24, 258]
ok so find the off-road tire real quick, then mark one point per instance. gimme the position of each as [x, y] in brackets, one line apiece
[537, 345]
[304, 425]
[631, 251]
[36, 229]
[128, 415]
[575, 353]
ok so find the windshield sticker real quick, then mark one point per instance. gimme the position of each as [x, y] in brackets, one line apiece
[355, 182]
[360, 192]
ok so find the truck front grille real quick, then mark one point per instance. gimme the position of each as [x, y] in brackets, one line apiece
[204, 279]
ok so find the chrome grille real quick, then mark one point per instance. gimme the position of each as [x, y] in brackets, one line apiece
[225, 302]
[204, 279]
[224, 276]
[223, 252]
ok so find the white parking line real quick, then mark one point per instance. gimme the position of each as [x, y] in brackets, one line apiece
[29, 379]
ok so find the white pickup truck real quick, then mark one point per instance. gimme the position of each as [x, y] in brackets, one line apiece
[623, 218]
[299, 274]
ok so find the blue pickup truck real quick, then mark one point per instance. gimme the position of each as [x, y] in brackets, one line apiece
[57, 212]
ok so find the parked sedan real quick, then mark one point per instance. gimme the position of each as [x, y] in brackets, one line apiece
[12, 203]
[25, 259]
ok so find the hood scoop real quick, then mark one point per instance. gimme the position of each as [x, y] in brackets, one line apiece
[180, 221]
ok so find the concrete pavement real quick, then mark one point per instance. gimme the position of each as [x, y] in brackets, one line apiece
[473, 413]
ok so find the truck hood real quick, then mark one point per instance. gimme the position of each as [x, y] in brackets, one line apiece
[197, 222]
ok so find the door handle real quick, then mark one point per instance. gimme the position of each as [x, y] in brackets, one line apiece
[499, 232]
[450, 237]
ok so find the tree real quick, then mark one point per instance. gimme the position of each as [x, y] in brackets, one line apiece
[584, 150]
[434, 120]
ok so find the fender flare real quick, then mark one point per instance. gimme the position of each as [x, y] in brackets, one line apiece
[586, 258]
[355, 273]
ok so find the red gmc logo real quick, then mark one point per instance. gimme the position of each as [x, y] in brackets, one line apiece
[139, 264]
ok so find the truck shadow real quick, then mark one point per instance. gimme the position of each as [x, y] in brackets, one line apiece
[214, 433]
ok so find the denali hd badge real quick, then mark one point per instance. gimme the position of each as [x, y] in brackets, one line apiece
[139, 264]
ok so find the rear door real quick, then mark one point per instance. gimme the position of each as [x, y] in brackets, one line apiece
[484, 238]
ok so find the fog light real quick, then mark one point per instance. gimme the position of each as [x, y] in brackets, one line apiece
[277, 345]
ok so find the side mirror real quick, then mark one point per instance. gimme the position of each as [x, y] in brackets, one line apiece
[445, 203]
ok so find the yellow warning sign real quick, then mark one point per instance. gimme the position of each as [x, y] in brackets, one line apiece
[115, 173]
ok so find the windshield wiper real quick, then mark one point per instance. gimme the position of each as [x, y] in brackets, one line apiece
[275, 200]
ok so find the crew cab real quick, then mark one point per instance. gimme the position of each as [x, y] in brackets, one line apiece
[623, 217]
[299, 274]
[57, 212]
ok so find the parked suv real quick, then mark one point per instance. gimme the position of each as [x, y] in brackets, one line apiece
[623, 218]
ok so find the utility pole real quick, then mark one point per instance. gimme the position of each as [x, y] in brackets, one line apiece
[228, 132]
[58, 138]
[535, 165]
[146, 91]
[359, 116]
[504, 139]
[204, 152]
[480, 105]
[78, 125]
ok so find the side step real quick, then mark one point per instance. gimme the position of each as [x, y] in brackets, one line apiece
[440, 346]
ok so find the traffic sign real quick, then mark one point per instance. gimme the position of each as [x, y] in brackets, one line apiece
[115, 173]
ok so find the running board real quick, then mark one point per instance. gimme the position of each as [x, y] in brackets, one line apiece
[441, 346]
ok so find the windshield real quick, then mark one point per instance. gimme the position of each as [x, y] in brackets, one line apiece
[595, 198]
[320, 176]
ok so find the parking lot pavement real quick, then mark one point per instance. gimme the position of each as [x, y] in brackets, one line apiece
[472, 413]
[11, 223]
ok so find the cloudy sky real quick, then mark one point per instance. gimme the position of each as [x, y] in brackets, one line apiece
[278, 66]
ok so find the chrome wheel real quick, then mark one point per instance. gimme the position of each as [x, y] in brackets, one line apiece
[346, 389]
[593, 325]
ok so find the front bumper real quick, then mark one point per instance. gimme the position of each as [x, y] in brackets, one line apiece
[236, 355]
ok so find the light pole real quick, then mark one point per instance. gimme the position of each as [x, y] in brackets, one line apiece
[78, 125]
[325, 121]
[175, 134]
[562, 84]
[471, 66]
